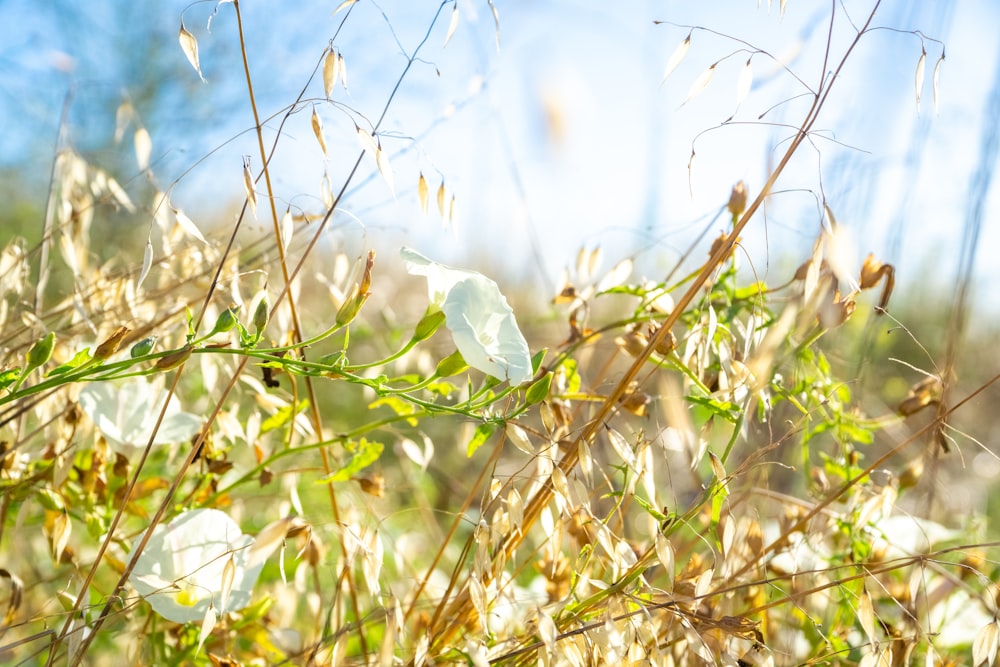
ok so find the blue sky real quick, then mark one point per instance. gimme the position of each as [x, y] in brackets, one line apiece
[563, 136]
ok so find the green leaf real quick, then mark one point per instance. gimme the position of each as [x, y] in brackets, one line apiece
[363, 454]
[443, 388]
[398, 405]
[283, 416]
[652, 511]
[573, 380]
[482, 434]
[725, 409]
[538, 390]
[536, 361]
[79, 359]
[452, 365]
[9, 377]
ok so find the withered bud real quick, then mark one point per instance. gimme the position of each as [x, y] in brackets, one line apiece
[912, 473]
[634, 343]
[110, 346]
[359, 294]
[636, 402]
[872, 271]
[566, 295]
[834, 314]
[926, 392]
[174, 359]
[738, 200]
[665, 346]
[718, 243]
[373, 485]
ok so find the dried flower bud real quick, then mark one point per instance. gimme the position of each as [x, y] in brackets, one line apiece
[834, 314]
[872, 271]
[110, 346]
[359, 294]
[174, 359]
[634, 343]
[667, 345]
[738, 200]
[373, 485]
[926, 392]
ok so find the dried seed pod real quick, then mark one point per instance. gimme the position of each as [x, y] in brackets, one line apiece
[738, 197]
[926, 392]
[110, 346]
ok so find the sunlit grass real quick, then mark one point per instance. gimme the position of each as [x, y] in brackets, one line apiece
[209, 457]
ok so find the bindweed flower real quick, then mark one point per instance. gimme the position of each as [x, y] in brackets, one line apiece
[481, 321]
[126, 414]
[198, 559]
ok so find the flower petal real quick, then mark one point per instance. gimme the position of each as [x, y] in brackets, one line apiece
[481, 321]
[191, 553]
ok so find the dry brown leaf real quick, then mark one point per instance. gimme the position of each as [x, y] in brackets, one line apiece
[189, 45]
[676, 57]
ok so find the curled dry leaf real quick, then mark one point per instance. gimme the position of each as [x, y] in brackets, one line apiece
[676, 57]
[189, 45]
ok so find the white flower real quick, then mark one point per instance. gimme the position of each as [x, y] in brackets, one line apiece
[479, 317]
[182, 569]
[126, 414]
